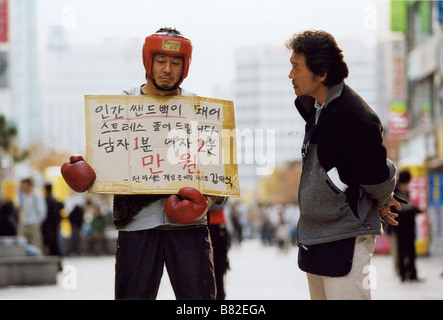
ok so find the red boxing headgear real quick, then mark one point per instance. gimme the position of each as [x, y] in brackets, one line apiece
[169, 42]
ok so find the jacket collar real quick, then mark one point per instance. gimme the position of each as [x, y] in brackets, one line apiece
[333, 93]
[305, 104]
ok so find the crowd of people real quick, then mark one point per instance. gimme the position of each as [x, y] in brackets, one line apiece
[273, 224]
[38, 216]
[76, 226]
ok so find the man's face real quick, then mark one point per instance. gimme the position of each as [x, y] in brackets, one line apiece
[25, 187]
[304, 81]
[166, 70]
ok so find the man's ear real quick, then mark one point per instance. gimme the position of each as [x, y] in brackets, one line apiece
[322, 77]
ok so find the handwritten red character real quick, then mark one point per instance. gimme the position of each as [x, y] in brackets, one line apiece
[188, 163]
[155, 161]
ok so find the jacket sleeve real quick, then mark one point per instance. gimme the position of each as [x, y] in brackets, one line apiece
[365, 152]
[383, 192]
[367, 157]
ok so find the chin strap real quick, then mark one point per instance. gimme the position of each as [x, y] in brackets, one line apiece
[174, 87]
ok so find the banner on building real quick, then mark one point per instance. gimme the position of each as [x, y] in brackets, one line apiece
[435, 182]
[4, 67]
[399, 15]
[398, 120]
[398, 113]
[418, 196]
[4, 21]
[440, 11]
[157, 145]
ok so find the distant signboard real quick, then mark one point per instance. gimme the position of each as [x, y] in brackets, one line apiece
[398, 113]
[4, 66]
[435, 183]
[4, 30]
[156, 145]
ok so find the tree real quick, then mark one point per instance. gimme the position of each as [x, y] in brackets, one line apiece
[282, 185]
[7, 134]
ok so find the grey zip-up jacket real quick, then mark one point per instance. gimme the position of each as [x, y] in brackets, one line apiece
[326, 212]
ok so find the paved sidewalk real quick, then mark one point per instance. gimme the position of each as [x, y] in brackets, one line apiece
[257, 273]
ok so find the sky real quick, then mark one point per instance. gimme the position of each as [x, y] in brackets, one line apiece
[215, 27]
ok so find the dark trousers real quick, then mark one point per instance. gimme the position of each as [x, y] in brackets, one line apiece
[186, 253]
[406, 257]
[220, 242]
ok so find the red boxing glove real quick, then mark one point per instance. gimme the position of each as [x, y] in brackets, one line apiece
[188, 207]
[78, 174]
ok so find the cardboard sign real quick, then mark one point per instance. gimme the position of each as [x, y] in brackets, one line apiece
[157, 145]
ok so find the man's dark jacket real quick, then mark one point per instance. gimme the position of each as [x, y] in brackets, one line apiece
[348, 136]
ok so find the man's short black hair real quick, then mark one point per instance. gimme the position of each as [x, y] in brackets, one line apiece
[404, 176]
[28, 181]
[322, 54]
[170, 31]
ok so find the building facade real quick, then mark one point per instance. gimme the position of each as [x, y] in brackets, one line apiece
[416, 115]
[72, 71]
[24, 102]
[269, 130]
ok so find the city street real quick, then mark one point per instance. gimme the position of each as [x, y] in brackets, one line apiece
[297, 104]
[257, 273]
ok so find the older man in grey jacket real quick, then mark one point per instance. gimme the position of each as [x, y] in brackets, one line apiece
[347, 182]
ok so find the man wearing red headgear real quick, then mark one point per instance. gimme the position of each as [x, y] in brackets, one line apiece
[166, 44]
[159, 230]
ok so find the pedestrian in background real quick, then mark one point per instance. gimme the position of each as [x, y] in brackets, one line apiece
[236, 217]
[347, 183]
[76, 220]
[405, 231]
[51, 225]
[8, 218]
[282, 233]
[221, 243]
[97, 241]
[32, 213]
